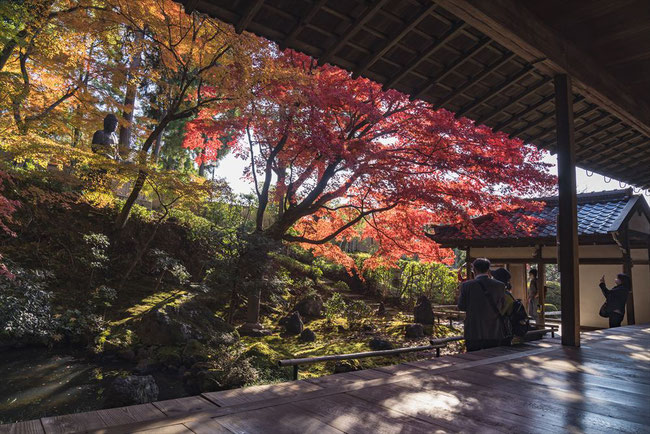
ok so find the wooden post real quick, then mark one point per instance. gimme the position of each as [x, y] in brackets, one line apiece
[541, 282]
[468, 263]
[567, 216]
[627, 269]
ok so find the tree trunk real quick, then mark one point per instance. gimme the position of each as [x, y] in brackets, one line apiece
[130, 201]
[157, 147]
[129, 102]
[142, 175]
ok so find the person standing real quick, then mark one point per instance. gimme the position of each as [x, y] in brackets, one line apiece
[532, 293]
[482, 299]
[616, 298]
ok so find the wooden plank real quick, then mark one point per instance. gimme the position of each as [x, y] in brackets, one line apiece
[564, 389]
[171, 429]
[567, 224]
[133, 413]
[26, 427]
[334, 380]
[258, 393]
[490, 404]
[439, 407]
[73, 422]
[616, 389]
[547, 406]
[250, 406]
[191, 404]
[350, 414]
[401, 369]
[210, 426]
[279, 419]
[370, 374]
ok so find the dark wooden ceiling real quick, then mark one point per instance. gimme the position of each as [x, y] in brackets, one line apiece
[615, 33]
[424, 50]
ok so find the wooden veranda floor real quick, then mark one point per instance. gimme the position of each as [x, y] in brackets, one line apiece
[604, 386]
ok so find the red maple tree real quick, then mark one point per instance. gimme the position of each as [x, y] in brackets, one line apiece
[338, 158]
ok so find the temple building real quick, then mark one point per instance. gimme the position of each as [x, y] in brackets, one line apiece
[613, 235]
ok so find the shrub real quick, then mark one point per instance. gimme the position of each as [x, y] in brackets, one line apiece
[553, 294]
[334, 306]
[25, 305]
[331, 270]
[341, 286]
[298, 267]
[95, 256]
[357, 312]
[165, 264]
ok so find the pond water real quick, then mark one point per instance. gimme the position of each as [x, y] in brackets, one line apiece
[35, 382]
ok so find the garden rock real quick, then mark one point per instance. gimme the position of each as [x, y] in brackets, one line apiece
[414, 331]
[176, 324]
[377, 344]
[381, 310]
[293, 324]
[307, 335]
[310, 306]
[132, 390]
[423, 311]
[256, 330]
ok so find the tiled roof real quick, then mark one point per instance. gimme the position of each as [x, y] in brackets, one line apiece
[598, 214]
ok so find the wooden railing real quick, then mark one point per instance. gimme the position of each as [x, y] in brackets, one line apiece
[434, 344]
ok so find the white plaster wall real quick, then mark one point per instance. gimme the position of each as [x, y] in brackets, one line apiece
[494, 253]
[591, 297]
[607, 251]
[641, 290]
[639, 254]
[518, 280]
[549, 252]
[640, 223]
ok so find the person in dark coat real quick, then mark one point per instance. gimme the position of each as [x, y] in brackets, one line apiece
[616, 298]
[483, 324]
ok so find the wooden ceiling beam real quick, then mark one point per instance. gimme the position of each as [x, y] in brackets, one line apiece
[487, 70]
[449, 69]
[613, 147]
[518, 116]
[515, 100]
[433, 46]
[547, 116]
[506, 83]
[513, 25]
[389, 43]
[592, 135]
[353, 28]
[586, 122]
[248, 15]
[301, 24]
